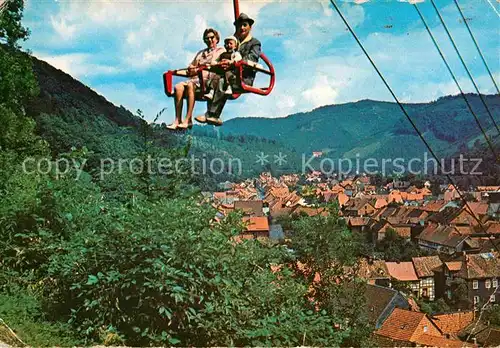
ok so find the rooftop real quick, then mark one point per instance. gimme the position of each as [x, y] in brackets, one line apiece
[402, 271]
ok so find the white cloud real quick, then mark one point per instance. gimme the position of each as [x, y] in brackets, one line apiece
[62, 28]
[196, 31]
[321, 93]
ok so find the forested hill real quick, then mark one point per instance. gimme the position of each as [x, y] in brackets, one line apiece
[69, 114]
[60, 92]
[377, 129]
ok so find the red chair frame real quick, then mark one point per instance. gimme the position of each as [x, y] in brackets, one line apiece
[169, 88]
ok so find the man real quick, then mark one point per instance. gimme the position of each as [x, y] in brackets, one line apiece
[250, 51]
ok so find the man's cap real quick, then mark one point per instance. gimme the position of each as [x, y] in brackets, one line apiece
[232, 38]
[243, 17]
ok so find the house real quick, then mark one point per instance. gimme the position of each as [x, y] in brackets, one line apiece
[424, 267]
[227, 185]
[404, 272]
[349, 187]
[370, 189]
[481, 273]
[359, 207]
[381, 302]
[363, 180]
[451, 194]
[277, 208]
[375, 272]
[340, 197]
[406, 328]
[378, 230]
[444, 216]
[488, 188]
[289, 179]
[250, 208]
[417, 217]
[445, 239]
[358, 224]
[337, 189]
[257, 227]
[225, 197]
[470, 217]
[445, 277]
[490, 228]
[395, 196]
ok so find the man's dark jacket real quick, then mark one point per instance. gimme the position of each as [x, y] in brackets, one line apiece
[250, 51]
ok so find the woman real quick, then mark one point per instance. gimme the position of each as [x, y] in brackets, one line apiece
[188, 88]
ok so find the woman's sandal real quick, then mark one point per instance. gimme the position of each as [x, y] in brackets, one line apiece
[172, 127]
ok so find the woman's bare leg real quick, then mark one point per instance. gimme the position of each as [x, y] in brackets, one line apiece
[190, 103]
[179, 93]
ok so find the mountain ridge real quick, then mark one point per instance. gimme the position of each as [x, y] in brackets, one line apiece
[365, 128]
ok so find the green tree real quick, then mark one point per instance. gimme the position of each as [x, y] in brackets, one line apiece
[18, 83]
[396, 248]
[11, 30]
[325, 247]
[492, 315]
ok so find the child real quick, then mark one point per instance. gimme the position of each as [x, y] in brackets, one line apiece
[231, 44]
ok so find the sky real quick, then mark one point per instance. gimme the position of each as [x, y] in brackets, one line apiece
[120, 49]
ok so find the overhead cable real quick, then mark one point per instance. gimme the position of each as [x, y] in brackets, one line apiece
[477, 46]
[467, 207]
[490, 145]
[464, 65]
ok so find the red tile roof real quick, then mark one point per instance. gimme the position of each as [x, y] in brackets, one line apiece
[493, 227]
[380, 203]
[401, 325]
[357, 221]
[434, 206]
[257, 224]
[488, 188]
[485, 265]
[426, 340]
[454, 265]
[443, 235]
[251, 207]
[402, 271]
[425, 265]
[402, 231]
[453, 323]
